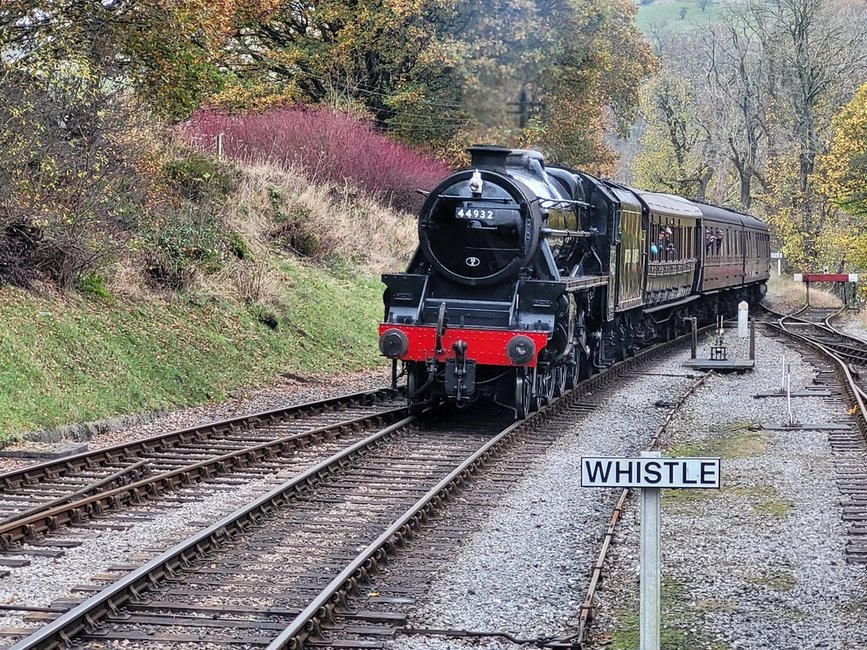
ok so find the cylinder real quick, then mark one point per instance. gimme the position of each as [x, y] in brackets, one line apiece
[743, 319]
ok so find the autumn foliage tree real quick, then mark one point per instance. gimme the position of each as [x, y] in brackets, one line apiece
[841, 177]
[757, 95]
[449, 72]
[842, 170]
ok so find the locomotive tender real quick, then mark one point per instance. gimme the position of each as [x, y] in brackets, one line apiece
[530, 277]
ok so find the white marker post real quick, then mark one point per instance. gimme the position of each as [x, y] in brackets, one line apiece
[649, 601]
[651, 473]
[743, 319]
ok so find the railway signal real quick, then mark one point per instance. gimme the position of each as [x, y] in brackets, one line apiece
[834, 278]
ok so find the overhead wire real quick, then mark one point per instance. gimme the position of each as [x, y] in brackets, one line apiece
[367, 90]
[434, 122]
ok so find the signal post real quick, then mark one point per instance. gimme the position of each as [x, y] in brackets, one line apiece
[651, 472]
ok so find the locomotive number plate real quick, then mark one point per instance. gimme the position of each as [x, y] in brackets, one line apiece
[495, 216]
[474, 213]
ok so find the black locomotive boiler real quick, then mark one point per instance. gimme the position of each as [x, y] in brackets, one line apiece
[528, 278]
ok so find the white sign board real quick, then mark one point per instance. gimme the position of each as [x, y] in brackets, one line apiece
[650, 472]
[776, 256]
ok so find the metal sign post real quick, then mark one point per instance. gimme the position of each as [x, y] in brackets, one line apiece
[651, 473]
[649, 601]
[779, 257]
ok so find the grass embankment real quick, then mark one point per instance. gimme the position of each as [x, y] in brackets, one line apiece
[79, 359]
[224, 273]
[785, 295]
[296, 291]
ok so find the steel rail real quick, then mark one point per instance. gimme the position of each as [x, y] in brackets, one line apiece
[73, 512]
[130, 450]
[125, 476]
[856, 394]
[87, 615]
[321, 609]
[307, 625]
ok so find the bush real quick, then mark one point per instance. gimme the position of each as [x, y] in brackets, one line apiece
[18, 254]
[73, 167]
[239, 247]
[188, 242]
[200, 177]
[331, 147]
[294, 229]
[94, 284]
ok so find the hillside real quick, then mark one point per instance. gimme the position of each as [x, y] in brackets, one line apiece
[676, 15]
[303, 297]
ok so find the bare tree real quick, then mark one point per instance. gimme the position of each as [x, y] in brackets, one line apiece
[678, 154]
[822, 56]
[735, 99]
[772, 75]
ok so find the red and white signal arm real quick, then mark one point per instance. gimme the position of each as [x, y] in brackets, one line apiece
[825, 277]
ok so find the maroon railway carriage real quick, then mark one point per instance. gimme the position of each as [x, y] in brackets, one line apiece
[530, 277]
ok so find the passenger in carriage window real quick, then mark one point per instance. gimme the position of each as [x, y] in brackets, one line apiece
[670, 250]
[719, 240]
[662, 244]
[651, 237]
[709, 241]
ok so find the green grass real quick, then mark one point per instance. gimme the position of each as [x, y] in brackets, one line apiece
[777, 580]
[83, 358]
[736, 444]
[681, 624]
[665, 14]
[778, 508]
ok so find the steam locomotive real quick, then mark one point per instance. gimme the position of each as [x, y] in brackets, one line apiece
[529, 278]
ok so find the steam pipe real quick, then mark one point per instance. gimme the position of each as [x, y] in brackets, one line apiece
[556, 232]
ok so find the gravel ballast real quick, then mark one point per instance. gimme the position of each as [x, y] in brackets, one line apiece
[525, 570]
[759, 564]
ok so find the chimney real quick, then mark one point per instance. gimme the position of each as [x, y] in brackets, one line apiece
[489, 157]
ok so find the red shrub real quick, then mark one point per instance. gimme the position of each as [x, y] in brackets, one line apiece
[331, 147]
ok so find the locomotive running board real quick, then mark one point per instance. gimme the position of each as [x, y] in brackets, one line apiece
[669, 305]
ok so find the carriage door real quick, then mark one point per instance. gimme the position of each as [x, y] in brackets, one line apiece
[630, 258]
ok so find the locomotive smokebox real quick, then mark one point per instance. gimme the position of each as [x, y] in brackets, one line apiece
[485, 156]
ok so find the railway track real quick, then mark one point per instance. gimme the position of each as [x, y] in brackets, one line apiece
[278, 571]
[817, 325]
[848, 354]
[841, 359]
[47, 497]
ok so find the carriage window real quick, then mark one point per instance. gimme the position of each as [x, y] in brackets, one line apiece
[714, 242]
